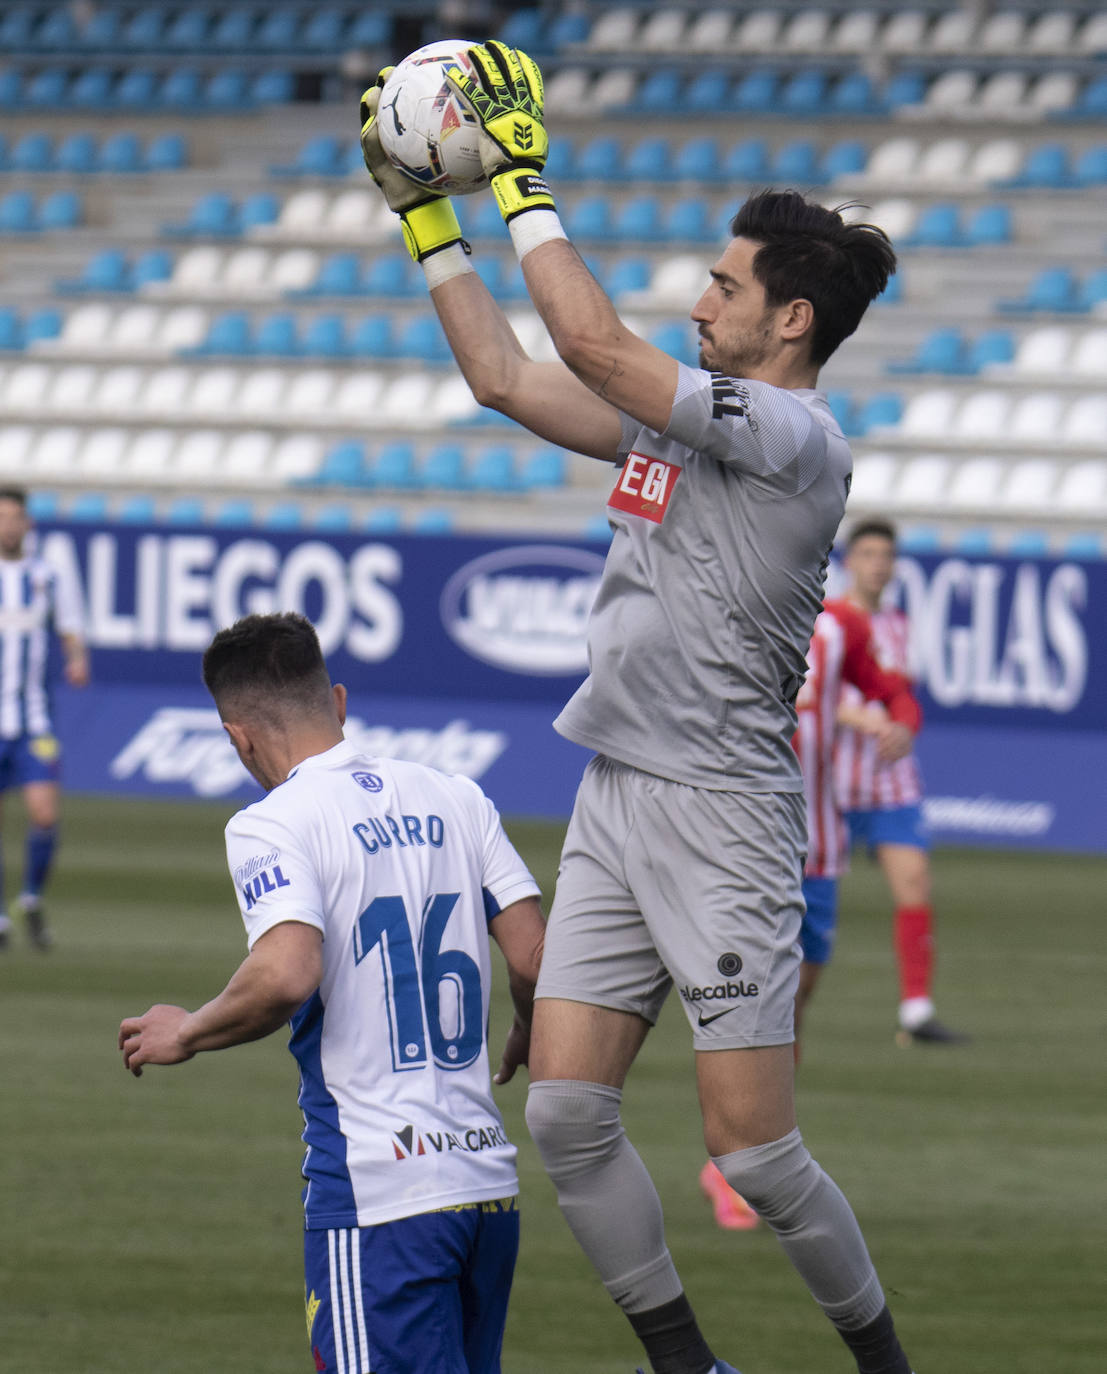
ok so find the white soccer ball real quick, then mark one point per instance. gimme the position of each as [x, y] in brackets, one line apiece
[425, 130]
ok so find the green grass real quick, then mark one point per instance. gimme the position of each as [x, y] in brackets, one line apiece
[154, 1224]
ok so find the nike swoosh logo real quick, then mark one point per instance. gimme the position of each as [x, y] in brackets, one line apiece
[707, 1020]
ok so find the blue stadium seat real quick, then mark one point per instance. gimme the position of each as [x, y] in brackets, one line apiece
[234, 513]
[494, 470]
[854, 94]
[700, 159]
[89, 507]
[42, 505]
[590, 219]
[371, 337]
[647, 160]
[904, 88]
[641, 220]
[943, 350]
[844, 159]
[708, 91]
[677, 340]
[920, 539]
[228, 333]
[325, 337]
[660, 90]
[1028, 544]
[336, 518]
[371, 29]
[227, 89]
[278, 32]
[262, 207]
[1092, 291]
[1046, 166]
[1090, 167]
[1092, 101]
[33, 153]
[272, 88]
[514, 286]
[11, 88]
[46, 89]
[77, 153]
[938, 226]
[61, 210]
[276, 336]
[388, 275]
[544, 469]
[394, 465]
[339, 275]
[11, 330]
[691, 220]
[797, 163]
[383, 520]
[58, 30]
[480, 216]
[561, 162]
[747, 160]
[121, 152]
[323, 31]
[569, 27]
[491, 272]
[433, 520]
[15, 29]
[422, 339]
[103, 30]
[136, 89]
[993, 346]
[803, 95]
[628, 274]
[188, 30]
[990, 224]
[44, 323]
[185, 510]
[91, 90]
[893, 292]
[884, 408]
[137, 510]
[285, 515]
[145, 29]
[526, 29]
[445, 467]
[977, 540]
[213, 215]
[598, 160]
[17, 213]
[107, 270]
[841, 407]
[180, 90]
[1052, 289]
[153, 265]
[1084, 545]
[167, 153]
[344, 465]
[234, 31]
[321, 156]
[756, 91]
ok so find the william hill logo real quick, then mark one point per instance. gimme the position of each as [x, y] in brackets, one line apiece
[409, 1143]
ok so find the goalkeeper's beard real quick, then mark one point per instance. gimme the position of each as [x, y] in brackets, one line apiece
[739, 356]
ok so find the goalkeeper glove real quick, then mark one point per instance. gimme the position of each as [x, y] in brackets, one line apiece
[505, 96]
[427, 218]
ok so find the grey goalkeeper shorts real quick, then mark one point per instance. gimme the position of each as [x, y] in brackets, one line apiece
[665, 885]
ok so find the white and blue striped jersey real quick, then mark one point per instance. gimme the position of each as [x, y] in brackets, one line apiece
[34, 604]
[401, 868]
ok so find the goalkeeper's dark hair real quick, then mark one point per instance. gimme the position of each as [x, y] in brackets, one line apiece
[873, 526]
[269, 668]
[808, 252]
[15, 494]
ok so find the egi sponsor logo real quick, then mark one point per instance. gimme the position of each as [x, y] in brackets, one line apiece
[410, 1143]
[524, 609]
[188, 745]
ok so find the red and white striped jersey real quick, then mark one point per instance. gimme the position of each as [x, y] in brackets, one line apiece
[841, 650]
[863, 782]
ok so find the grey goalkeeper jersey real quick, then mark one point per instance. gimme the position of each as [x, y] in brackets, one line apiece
[698, 639]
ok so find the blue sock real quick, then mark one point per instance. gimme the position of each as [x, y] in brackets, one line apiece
[41, 842]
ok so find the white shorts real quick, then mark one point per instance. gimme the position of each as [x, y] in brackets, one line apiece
[666, 885]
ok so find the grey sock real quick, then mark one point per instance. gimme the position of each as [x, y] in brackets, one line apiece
[603, 1190]
[814, 1223]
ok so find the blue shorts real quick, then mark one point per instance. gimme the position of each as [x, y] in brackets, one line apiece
[424, 1293]
[820, 920]
[893, 825]
[29, 758]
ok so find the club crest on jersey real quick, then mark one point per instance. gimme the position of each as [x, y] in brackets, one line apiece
[644, 487]
[369, 781]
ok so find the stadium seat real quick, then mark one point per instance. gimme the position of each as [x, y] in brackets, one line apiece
[1043, 351]
[983, 415]
[394, 465]
[943, 350]
[135, 328]
[1029, 485]
[121, 153]
[756, 92]
[845, 159]
[244, 271]
[1036, 418]
[647, 160]
[444, 468]
[60, 210]
[1046, 166]
[640, 220]
[198, 454]
[272, 88]
[309, 392]
[804, 95]
[1051, 289]
[494, 470]
[102, 453]
[150, 453]
[747, 160]
[91, 90]
[41, 325]
[344, 465]
[262, 392]
[292, 270]
[759, 31]
[928, 414]
[1089, 356]
[137, 510]
[88, 507]
[388, 275]
[994, 348]
[906, 88]
[590, 219]
[421, 339]
[77, 153]
[214, 215]
[796, 162]
[17, 213]
[1085, 423]
[874, 477]
[544, 469]
[33, 152]
[325, 337]
[938, 226]
[228, 333]
[119, 390]
[1092, 291]
[688, 220]
[165, 391]
[54, 452]
[976, 483]
[884, 410]
[277, 336]
[166, 152]
[71, 388]
[598, 160]
[924, 481]
[296, 456]
[708, 91]
[988, 225]
[371, 337]
[1083, 489]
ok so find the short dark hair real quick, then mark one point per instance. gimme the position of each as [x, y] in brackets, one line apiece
[16, 494]
[873, 525]
[268, 667]
[808, 252]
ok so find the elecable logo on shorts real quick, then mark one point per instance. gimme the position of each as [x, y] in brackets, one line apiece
[731, 989]
[644, 487]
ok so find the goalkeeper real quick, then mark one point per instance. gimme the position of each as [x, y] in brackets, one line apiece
[683, 858]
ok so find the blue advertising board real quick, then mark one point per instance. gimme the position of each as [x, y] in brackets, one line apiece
[460, 651]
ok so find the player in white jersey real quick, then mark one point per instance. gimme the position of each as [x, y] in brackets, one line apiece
[681, 866]
[883, 800]
[35, 605]
[369, 889]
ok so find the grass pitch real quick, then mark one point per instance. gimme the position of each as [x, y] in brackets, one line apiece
[154, 1224]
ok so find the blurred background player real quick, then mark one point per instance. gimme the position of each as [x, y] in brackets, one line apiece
[369, 888]
[841, 652]
[681, 865]
[34, 605]
[882, 797]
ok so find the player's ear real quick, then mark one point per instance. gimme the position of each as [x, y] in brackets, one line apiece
[798, 319]
[240, 738]
[340, 702]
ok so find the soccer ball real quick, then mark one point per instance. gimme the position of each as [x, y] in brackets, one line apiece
[426, 131]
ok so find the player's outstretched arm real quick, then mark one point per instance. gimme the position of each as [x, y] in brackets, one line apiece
[278, 975]
[612, 362]
[520, 932]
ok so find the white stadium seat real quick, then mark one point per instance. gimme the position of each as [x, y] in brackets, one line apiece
[895, 216]
[352, 212]
[185, 326]
[904, 32]
[246, 456]
[245, 271]
[855, 32]
[1043, 350]
[924, 481]
[86, 327]
[929, 414]
[406, 401]
[663, 31]
[135, 328]
[759, 31]
[612, 89]
[952, 32]
[198, 454]
[25, 386]
[165, 391]
[807, 31]
[309, 392]
[1053, 91]
[679, 281]
[893, 161]
[614, 31]
[102, 453]
[15, 444]
[1029, 485]
[943, 160]
[54, 453]
[567, 91]
[1092, 37]
[1089, 356]
[293, 269]
[952, 92]
[1036, 418]
[996, 160]
[151, 453]
[262, 391]
[1001, 93]
[213, 392]
[304, 212]
[977, 482]
[72, 388]
[873, 478]
[452, 401]
[1085, 422]
[197, 269]
[296, 456]
[357, 396]
[1082, 490]
[119, 390]
[982, 415]
[1004, 32]
[710, 32]
[1052, 32]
